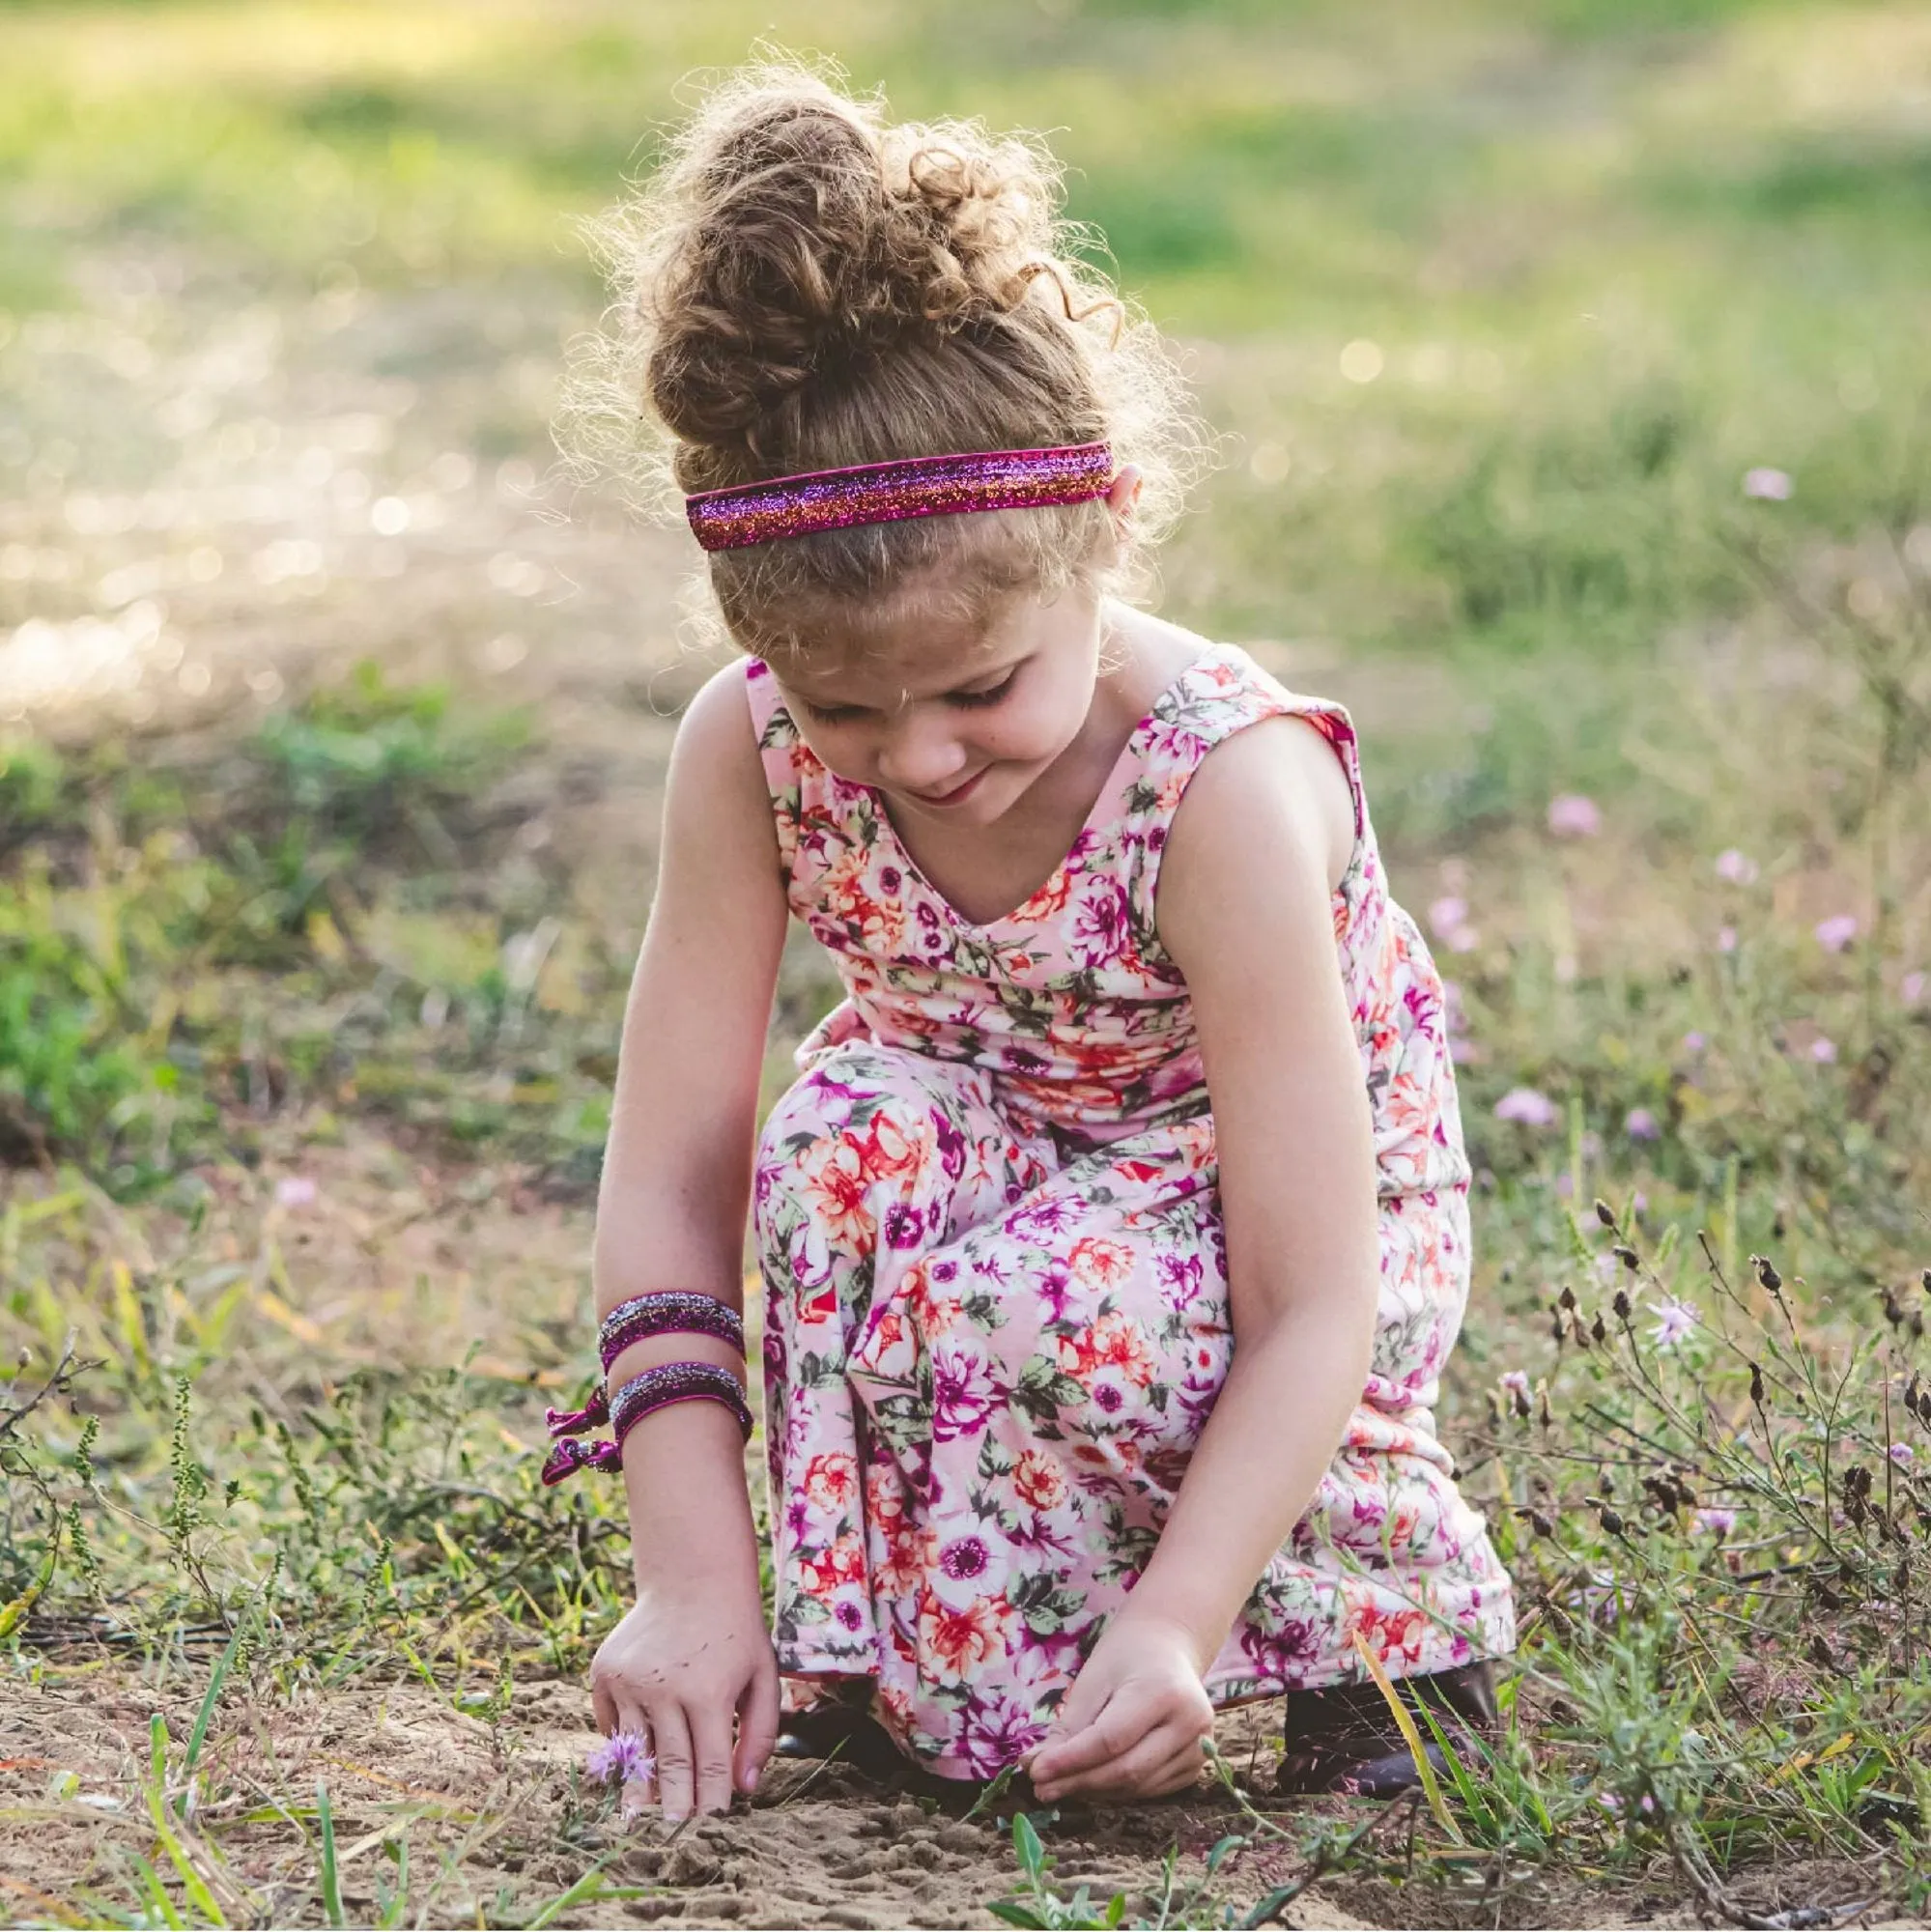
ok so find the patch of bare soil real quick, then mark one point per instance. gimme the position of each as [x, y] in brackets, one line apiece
[499, 1824]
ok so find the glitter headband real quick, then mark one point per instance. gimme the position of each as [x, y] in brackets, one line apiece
[890, 492]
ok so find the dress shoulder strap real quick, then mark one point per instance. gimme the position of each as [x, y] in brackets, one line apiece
[1223, 692]
[779, 751]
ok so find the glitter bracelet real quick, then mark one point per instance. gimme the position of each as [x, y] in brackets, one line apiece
[670, 1311]
[644, 1395]
[891, 493]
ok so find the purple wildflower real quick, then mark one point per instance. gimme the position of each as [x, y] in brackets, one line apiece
[1674, 1321]
[1527, 1106]
[1695, 1043]
[1640, 1125]
[1516, 1379]
[1823, 1050]
[1714, 1522]
[1835, 933]
[1912, 988]
[1726, 939]
[621, 1757]
[296, 1190]
[1900, 1453]
[1770, 486]
[1572, 815]
[1739, 867]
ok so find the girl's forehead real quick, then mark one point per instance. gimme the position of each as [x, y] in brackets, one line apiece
[914, 653]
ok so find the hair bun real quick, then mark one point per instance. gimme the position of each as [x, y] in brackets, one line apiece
[815, 238]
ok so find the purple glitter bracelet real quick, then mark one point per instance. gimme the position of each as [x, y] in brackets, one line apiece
[891, 493]
[644, 1395]
[670, 1311]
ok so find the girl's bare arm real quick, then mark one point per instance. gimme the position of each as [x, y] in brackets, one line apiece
[1260, 841]
[693, 1654]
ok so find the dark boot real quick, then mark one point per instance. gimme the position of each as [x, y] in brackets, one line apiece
[841, 1725]
[1344, 1738]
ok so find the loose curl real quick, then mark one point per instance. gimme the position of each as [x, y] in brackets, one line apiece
[801, 285]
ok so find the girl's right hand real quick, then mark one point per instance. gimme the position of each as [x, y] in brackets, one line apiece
[684, 1665]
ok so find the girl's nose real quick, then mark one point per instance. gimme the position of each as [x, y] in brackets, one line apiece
[927, 761]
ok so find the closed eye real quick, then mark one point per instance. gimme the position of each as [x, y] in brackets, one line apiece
[972, 700]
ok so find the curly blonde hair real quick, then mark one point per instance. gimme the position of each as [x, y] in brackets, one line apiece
[803, 285]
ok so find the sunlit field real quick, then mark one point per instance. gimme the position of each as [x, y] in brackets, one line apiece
[1568, 365]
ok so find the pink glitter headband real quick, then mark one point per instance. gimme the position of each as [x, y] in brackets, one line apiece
[890, 492]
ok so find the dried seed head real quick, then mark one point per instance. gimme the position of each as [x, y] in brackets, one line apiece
[1621, 1306]
[1567, 1298]
[1629, 1256]
[1766, 1274]
[1610, 1520]
[1521, 1403]
[1555, 1325]
[1599, 1329]
[1537, 1521]
[1893, 1309]
[1545, 1415]
[1756, 1385]
[1604, 1213]
[1579, 1334]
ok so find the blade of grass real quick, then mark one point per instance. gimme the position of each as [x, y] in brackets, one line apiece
[1430, 1784]
[332, 1882]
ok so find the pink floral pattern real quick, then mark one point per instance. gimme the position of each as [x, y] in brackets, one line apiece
[995, 1274]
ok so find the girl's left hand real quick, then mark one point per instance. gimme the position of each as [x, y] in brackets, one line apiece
[1136, 1721]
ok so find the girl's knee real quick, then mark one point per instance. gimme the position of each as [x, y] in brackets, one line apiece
[865, 1099]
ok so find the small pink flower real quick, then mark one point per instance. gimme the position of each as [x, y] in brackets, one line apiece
[1900, 1452]
[1726, 939]
[1715, 1522]
[1912, 988]
[1531, 1109]
[1823, 1050]
[1835, 933]
[620, 1757]
[1640, 1125]
[296, 1190]
[1695, 1043]
[1446, 914]
[1773, 486]
[1571, 816]
[1674, 1321]
[1516, 1379]
[1737, 866]
[1608, 1800]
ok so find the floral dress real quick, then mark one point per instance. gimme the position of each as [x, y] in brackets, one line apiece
[995, 1275]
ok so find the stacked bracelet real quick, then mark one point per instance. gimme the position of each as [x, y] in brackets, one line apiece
[644, 1395]
[670, 1311]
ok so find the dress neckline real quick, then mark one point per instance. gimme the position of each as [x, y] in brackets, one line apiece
[1109, 789]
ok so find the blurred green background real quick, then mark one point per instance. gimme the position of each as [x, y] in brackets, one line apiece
[1567, 363]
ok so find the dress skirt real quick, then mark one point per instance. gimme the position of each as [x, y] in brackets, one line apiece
[987, 1358]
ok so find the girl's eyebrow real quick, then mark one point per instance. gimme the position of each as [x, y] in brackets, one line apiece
[993, 671]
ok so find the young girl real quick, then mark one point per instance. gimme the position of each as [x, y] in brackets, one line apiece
[1115, 1234]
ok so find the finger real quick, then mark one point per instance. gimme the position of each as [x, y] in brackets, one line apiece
[1136, 1771]
[671, 1742]
[758, 1720]
[1083, 1703]
[637, 1793]
[1127, 1718]
[603, 1707]
[711, 1756]
[1180, 1772]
